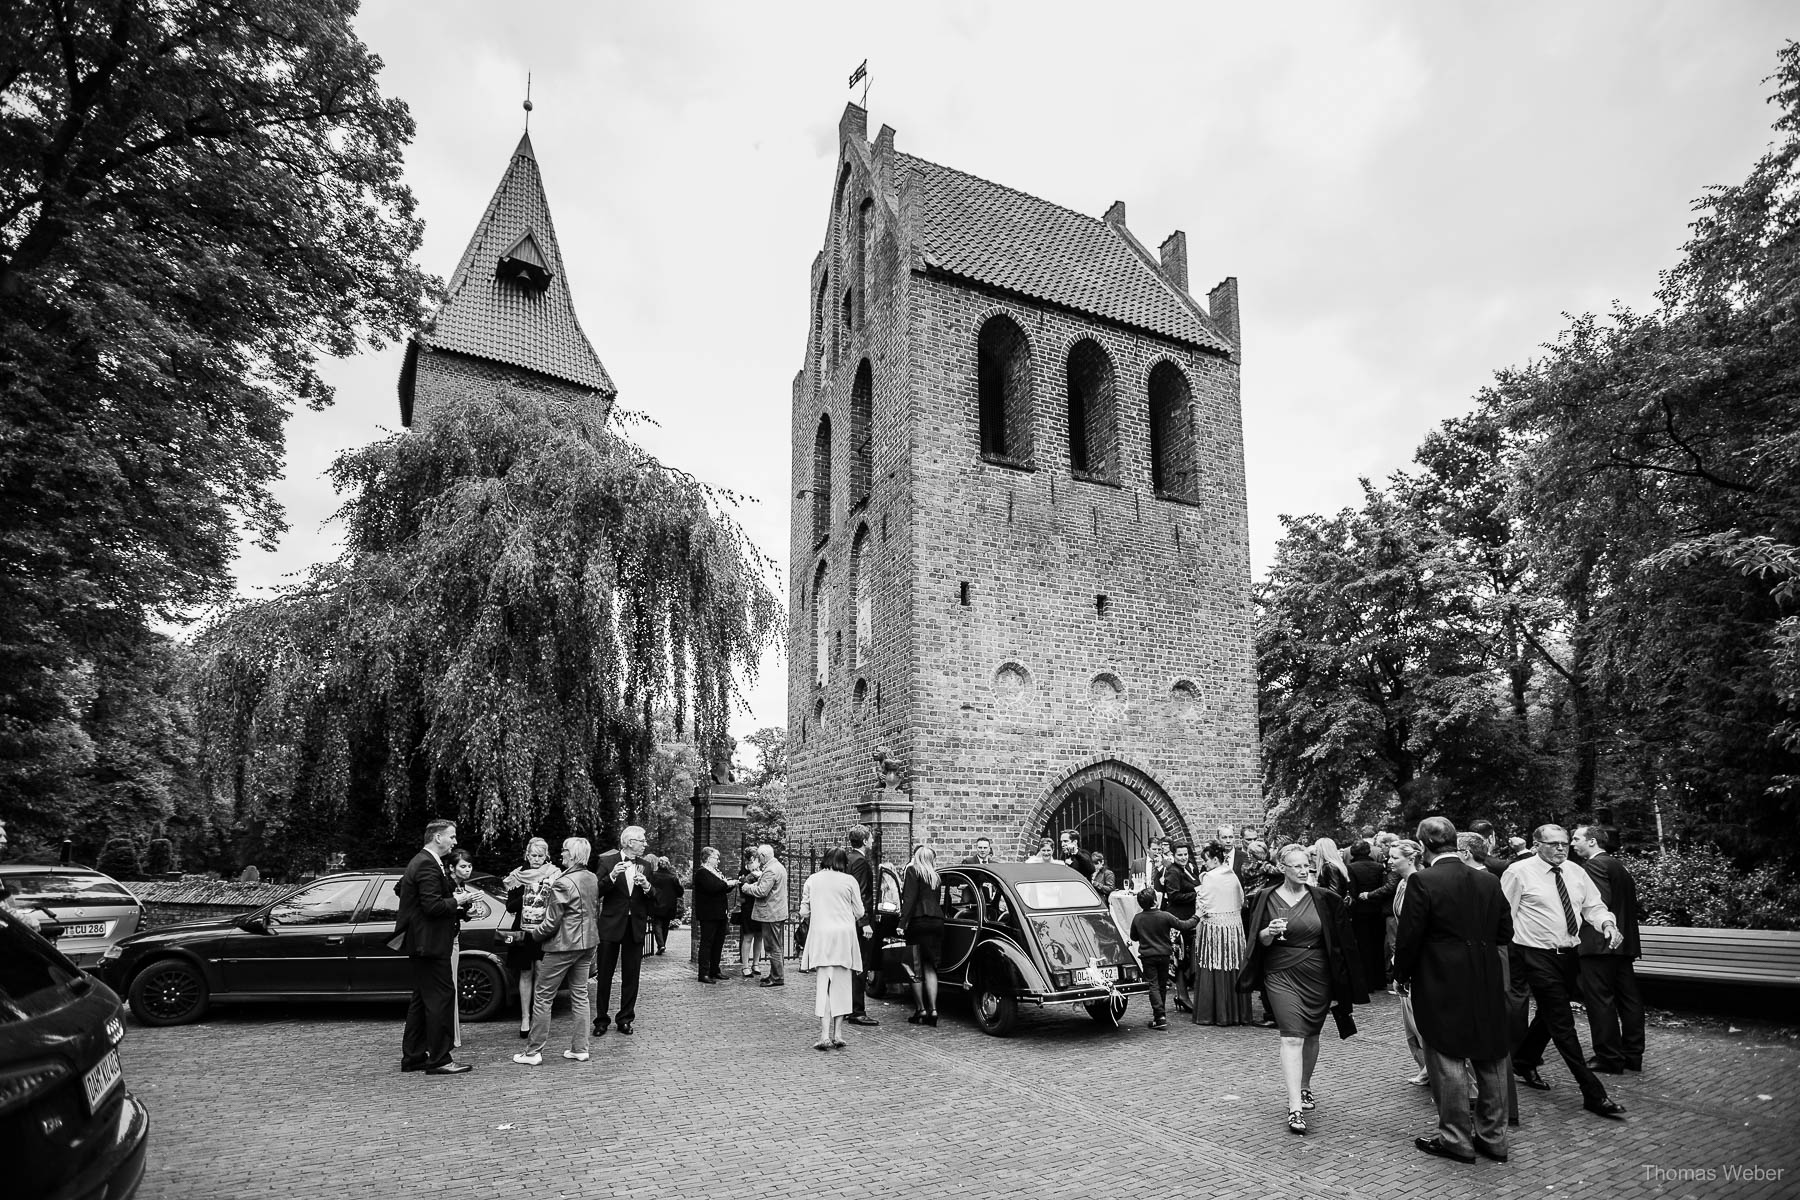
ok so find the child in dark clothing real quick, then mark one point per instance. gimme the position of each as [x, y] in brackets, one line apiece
[1150, 930]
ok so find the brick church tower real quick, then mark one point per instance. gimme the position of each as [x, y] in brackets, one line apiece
[1019, 548]
[507, 318]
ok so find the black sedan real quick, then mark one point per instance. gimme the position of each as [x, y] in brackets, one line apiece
[325, 940]
[69, 1126]
[1026, 933]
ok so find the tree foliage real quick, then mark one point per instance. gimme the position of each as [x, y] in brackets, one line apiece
[196, 201]
[521, 592]
[1612, 536]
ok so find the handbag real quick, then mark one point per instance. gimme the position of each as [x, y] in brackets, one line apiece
[509, 937]
[1346, 1022]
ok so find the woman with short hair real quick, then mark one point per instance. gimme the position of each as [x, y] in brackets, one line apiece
[922, 929]
[1304, 959]
[831, 909]
[526, 889]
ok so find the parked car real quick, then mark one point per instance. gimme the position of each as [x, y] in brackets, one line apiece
[325, 940]
[94, 910]
[1023, 933]
[70, 1127]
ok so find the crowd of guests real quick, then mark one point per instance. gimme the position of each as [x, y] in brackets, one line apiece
[1467, 938]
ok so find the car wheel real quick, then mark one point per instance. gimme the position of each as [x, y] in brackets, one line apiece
[169, 992]
[995, 1013]
[1109, 1012]
[480, 991]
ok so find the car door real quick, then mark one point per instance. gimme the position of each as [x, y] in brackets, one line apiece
[961, 901]
[303, 946]
[373, 967]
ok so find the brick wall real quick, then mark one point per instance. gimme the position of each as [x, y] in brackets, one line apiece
[446, 377]
[994, 703]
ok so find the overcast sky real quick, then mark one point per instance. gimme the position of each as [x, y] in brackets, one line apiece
[1410, 194]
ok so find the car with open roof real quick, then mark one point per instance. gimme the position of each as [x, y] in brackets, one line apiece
[1034, 934]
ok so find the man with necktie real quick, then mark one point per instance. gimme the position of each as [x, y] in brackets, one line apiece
[1550, 899]
[624, 889]
[426, 930]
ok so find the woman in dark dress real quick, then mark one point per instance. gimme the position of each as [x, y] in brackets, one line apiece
[1303, 956]
[922, 928]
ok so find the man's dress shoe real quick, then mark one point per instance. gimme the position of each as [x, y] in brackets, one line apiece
[1595, 1064]
[1483, 1149]
[449, 1068]
[770, 983]
[861, 1019]
[707, 979]
[600, 1028]
[624, 1026]
[1530, 1078]
[1605, 1108]
[1437, 1148]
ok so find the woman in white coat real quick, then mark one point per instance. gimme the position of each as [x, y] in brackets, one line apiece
[831, 905]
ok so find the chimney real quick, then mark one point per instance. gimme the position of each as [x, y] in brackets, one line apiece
[1115, 216]
[1173, 252]
[1222, 303]
[854, 123]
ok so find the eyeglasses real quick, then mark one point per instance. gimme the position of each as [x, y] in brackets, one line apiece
[1555, 845]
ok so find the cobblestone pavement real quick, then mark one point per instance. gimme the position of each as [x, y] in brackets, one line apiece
[720, 1093]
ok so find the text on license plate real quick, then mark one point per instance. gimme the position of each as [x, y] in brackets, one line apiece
[1107, 973]
[102, 1079]
[97, 929]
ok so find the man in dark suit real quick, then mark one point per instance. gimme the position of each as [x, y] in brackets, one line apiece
[426, 928]
[1495, 859]
[1609, 986]
[712, 895]
[624, 915]
[1368, 912]
[1454, 925]
[1073, 855]
[984, 852]
[1236, 857]
[863, 871]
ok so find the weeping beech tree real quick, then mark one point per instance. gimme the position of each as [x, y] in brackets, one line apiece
[520, 591]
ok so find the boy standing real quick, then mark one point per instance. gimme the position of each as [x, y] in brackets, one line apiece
[1150, 931]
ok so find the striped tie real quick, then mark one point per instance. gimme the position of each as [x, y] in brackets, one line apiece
[1562, 893]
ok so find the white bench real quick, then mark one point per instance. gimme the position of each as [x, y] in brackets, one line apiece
[1768, 957]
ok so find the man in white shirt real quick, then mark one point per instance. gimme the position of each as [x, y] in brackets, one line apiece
[1550, 899]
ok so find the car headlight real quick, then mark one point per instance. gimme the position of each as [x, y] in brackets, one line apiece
[113, 951]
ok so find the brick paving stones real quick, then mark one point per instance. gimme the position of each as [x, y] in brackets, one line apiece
[720, 1093]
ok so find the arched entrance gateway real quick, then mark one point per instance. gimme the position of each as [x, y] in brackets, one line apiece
[1116, 808]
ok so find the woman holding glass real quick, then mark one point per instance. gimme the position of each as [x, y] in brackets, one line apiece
[1304, 959]
[526, 888]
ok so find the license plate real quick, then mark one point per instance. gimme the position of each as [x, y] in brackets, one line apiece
[102, 1079]
[1109, 973]
[95, 930]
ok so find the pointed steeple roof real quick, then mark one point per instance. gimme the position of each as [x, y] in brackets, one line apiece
[509, 298]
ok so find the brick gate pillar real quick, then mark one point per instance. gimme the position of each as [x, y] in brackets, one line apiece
[719, 822]
[888, 812]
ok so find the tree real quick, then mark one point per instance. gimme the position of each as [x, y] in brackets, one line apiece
[770, 744]
[196, 201]
[520, 592]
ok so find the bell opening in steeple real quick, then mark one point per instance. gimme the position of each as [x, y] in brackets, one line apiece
[525, 264]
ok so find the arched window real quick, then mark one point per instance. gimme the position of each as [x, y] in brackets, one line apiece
[862, 432]
[821, 480]
[820, 332]
[847, 318]
[821, 620]
[862, 589]
[865, 232]
[1093, 441]
[1003, 385]
[1174, 461]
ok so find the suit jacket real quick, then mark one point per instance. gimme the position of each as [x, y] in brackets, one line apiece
[1239, 862]
[1343, 967]
[863, 871]
[1619, 891]
[712, 895]
[623, 909]
[1454, 926]
[1365, 876]
[1178, 886]
[428, 918]
[1081, 861]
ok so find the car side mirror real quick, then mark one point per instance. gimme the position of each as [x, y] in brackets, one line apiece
[255, 924]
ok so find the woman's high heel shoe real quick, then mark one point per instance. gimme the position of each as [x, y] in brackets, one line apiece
[1296, 1122]
[931, 1019]
[917, 1018]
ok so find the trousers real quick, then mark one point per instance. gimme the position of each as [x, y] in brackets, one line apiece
[1615, 1010]
[627, 957]
[553, 968]
[1450, 1092]
[1551, 976]
[426, 1039]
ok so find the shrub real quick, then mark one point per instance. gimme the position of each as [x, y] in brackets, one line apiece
[120, 858]
[1700, 888]
[159, 857]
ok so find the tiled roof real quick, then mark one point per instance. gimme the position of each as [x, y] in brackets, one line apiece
[1007, 239]
[488, 317]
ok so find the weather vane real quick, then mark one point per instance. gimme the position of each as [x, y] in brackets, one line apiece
[528, 102]
[862, 73]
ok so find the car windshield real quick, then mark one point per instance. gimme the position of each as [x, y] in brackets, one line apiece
[1046, 895]
[34, 978]
[63, 887]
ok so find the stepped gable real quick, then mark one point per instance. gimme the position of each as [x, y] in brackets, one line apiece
[995, 235]
[509, 300]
